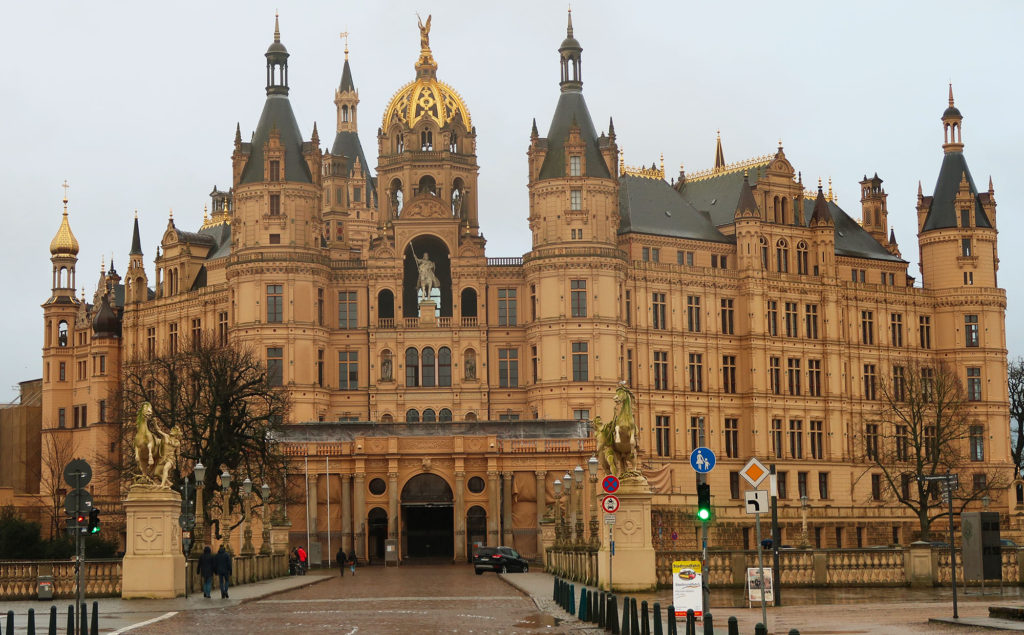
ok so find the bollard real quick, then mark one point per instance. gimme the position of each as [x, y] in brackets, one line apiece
[10, 621]
[634, 623]
[673, 627]
[602, 605]
[645, 624]
[554, 591]
[31, 627]
[627, 626]
[760, 629]
[53, 620]
[71, 620]
[709, 624]
[572, 599]
[83, 622]
[612, 618]
[656, 609]
[581, 613]
[793, 631]
[691, 623]
[95, 627]
[592, 607]
[734, 626]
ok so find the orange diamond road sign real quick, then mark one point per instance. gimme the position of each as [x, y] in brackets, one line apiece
[754, 472]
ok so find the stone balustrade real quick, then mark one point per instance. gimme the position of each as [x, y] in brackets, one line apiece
[576, 563]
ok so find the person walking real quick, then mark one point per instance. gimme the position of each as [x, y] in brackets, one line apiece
[303, 557]
[352, 562]
[339, 559]
[222, 567]
[206, 568]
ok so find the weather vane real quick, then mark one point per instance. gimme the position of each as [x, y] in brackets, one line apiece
[344, 36]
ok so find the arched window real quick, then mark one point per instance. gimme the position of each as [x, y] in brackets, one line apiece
[387, 418]
[62, 333]
[429, 416]
[344, 113]
[428, 369]
[426, 140]
[427, 185]
[453, 143]
[412, 367]
[399, 140]
[458, 199]
[444, 366]
[470, 416]
[412, 416]
[386, 305]
[396, 197]
[801, 258]
[782, 256]
[467, 303]
[444, 415]
[764, 253]
[775, 211]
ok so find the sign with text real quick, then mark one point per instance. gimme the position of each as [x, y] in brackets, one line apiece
[754, 585]
[686, 588]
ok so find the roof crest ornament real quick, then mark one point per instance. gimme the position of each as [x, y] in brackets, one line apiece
[730, 168]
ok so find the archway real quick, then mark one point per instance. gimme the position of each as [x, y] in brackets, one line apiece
[376, 533]
[476, 527]
[436, 249]
[428, 527]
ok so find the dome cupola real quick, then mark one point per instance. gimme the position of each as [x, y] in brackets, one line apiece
[64, 242]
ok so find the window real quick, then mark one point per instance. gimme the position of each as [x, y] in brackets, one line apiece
[320, 368]
[796, 439]
[979, 482]
[729, 373]
[971, 330]
[876, 487]
[965, 247]
[275, 303]
[222, 328]
[150, 345]
[444, 366]
[693, 313]
[197, 333]
[508, 367]
[658, 311]
[578, 297]
[172, 337]
[728, 324]
[924, 327]
[275, 170]
[581, 415]
[319, 307]
[629, 367]
[974, 384]
[695, 427]
[574, 165]
[905, 480]
[533, 301]
[655, 254]
[814, 377]
[871, 441]
[811, 321]
[348, 370]
[734, 485]
[902, 444]
[429, 416]
[696, 368]
[412, 367]
[793, 375]
[275, 239]
[275, 204]
[732, 438]
[775, 375]
[782, 481]
[776, 434]
[823, 485]
[347, 310]
[427, 361]
[977, 443]
[896, 329]
[968, 278]
[816, 435]
[580, 362]
[927, 384]
[870, 381]
[792, 324]
[801, 258]
[629, 308]
[507, 307]
[661, 370]
[63, 372]
[357, 194]
[773, 318]
[867, 327]
[684, 258]
[645, 254]
[801, 484]
[576, 200]
[662, 433]
[61, 417]
[102, 410]
[965, 217]
[899, 383]
[412, 416]
[782, 257]
[275, 366]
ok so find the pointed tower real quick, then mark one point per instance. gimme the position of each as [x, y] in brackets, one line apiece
[874, 214]
[137, 285]
[60, 315]
[350, 197]
[823, 243]
[719, 155]
[747, 221]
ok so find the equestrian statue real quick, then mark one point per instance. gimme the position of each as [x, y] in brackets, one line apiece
[617, 446]
[156, 450]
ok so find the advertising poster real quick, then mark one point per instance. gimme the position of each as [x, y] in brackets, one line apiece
[754, 586]
[686, 587]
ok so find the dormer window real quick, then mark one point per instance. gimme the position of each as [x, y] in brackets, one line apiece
[965, 218]
[275, 204]
[357, 194]
[965, 248]
[426, 141]
[574, 165]
[275, 170]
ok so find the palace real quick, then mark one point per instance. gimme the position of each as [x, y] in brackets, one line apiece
[438, 393]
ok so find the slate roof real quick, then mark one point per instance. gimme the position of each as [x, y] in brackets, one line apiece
[221, 237]
[347, 144]
[719, 195]
[136, 249]
[651, 206]
[346, 79]
[851, 239]
[943, 213]
[571, 105]
[277, 113]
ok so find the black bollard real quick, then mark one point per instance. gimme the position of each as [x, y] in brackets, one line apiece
[10, 621]
[71, 620]
[592, 610]
[83, 622]
[31, 627]
[734, 626]
[760, 629]
[793, 631]
[53, 620]
[95, 627]
[656, 609]
[634, 623]
[581, 613]
[612, 618]
[691, 622]
[645, 623]
[554, 591]
[673, 627]
[709, 624]
[627, 626]
[602, 605]
[572, 599]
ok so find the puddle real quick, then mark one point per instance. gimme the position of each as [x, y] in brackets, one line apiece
[538, 619]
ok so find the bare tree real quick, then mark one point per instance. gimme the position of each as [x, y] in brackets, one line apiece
[922, 429]
[58, 449]
[1015, 377]
[225, 405]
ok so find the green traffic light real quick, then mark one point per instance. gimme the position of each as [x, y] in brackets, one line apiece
[703, 514]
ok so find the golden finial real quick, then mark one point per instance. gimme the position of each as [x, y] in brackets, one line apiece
[277, 27]
[344, 36]
[950, 93]
[204, 214]
[136, 214]
[662, 164]
[819, 182]
[170, 214]
[622, 159]
[103, 265]
[830, 195]
[65, 186]
[225, 206]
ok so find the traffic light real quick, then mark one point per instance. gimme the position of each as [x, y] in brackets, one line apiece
[79, 519]
[94, 521]
[703, 502]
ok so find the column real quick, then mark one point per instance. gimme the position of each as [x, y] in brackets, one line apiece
[359, 514]
[346, 512]
[460, 517]
[312, 503]
[506, 509]
[393, 505]
[542, 504]
[493, 510]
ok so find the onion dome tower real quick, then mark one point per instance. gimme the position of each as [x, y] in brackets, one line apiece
[64, 256]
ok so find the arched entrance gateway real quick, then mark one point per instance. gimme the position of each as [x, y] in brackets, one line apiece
[428, 528]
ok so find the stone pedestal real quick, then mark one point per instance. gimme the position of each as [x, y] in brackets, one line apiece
[922, 565]
[153, 565]
[428, 312]
[632, 568]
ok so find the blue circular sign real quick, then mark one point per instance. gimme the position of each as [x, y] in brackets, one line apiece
[610, 484]
[702, 460]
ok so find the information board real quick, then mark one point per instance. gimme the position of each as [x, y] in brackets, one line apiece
[754, 586]
[686, 587]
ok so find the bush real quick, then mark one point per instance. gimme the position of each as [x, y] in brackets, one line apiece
[20, 540]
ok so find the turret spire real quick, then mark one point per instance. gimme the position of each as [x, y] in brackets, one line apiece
[136, 249]
[571, 60]
[277, 63]
[952, 127]
[719, 155]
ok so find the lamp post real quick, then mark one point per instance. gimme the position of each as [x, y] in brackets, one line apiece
[200, 531]
[248, 548]
[567, 488]
[265, 547]
[225, 488]
[577, 477]
[804, 542]
[592, 469]
[558, 511]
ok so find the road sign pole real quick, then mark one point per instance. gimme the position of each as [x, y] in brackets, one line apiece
[776, 538]
[760, 567]
[611, 554]
[80, 554]
[952, 541]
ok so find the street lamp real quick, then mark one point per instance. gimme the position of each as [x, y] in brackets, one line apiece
[804, 542]
[199, 471]
[577, 476]
[567, 485]
[225, 488]
[558, 510]
[265, 547]
[592, 469]
[248, 548]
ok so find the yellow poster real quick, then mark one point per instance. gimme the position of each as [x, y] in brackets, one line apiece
[687, 590]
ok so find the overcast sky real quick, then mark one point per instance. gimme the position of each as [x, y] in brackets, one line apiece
[135, 104]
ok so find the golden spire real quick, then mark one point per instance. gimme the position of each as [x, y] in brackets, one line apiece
[64, 242]
[344, 36]
[425, 64]
[622, 155]
[277, 28]
[662, 163]
[830, 195]
[951, 94]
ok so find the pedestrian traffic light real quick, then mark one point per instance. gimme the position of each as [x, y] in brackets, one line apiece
[79, 519]
[703, 502]
[94, 521]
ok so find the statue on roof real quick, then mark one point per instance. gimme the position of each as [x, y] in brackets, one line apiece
[424, 32]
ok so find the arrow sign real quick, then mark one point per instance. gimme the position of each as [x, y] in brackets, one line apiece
[756, 501]
[610, 504]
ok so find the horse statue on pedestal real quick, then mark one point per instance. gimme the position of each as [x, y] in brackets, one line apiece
[617, 446]
[155, 453]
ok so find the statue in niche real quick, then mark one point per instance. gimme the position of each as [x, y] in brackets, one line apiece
[470, 365]
[427, 280]
[396, 200]
[457, 204]
[385, 366]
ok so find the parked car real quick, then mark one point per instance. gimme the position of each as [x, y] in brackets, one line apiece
[1006, 542]
[499, 560]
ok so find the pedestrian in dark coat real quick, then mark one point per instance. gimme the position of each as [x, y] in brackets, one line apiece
[339, 559]
[222, 567]
[206, 569]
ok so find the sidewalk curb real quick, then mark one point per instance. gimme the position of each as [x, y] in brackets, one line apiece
[315, 580]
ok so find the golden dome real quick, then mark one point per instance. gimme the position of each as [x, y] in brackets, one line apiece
[64, 243]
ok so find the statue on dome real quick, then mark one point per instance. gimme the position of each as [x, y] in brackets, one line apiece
[424, 32]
